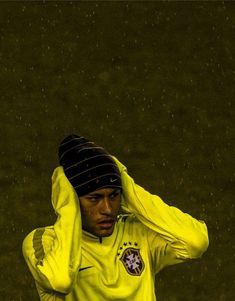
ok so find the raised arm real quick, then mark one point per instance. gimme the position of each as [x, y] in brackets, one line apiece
[187, 237]
[53, 254]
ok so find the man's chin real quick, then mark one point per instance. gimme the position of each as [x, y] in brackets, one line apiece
[105, 232]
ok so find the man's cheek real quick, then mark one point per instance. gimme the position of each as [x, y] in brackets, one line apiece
[90, 213]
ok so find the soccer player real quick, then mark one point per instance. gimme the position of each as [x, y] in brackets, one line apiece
[94, 253]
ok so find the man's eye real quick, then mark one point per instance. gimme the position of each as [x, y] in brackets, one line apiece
[114, 195]
[93, 199]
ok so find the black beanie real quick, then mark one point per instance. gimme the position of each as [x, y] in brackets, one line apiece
[87, 166]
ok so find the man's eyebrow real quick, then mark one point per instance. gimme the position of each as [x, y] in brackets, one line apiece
[115, 191]
[95, 194]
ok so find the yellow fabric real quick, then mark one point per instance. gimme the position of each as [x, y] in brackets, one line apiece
[188, 236]
[72, 265]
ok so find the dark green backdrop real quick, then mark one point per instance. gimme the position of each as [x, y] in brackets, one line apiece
[152, 82]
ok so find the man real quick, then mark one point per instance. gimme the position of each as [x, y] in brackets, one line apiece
[91, 252]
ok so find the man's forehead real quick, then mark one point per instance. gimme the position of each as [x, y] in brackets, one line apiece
[104, 190]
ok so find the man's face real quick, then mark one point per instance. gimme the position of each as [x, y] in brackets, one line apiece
[99, 210]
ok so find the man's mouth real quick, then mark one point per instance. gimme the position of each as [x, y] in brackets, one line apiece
[106, 223]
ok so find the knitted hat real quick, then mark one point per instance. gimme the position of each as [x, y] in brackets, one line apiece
[87, 166]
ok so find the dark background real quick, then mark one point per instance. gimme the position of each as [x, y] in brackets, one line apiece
[153, 83]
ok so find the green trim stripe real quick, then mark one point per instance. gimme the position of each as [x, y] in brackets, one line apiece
[37, 244]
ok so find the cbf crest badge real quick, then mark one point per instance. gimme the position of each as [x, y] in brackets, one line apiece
[132, 261]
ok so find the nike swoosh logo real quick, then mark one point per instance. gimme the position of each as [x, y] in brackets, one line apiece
[82, 269]
[113, 180]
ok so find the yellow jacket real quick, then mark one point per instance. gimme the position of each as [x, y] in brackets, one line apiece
[70, 264]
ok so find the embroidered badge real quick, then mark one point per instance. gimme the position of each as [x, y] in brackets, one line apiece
[133, 261]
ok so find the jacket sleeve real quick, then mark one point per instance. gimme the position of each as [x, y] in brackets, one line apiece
[53, 254]
[185, 237]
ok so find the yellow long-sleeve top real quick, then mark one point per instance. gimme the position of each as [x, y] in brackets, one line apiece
[70, 264]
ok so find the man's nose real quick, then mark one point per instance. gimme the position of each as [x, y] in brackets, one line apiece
[106, 207]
